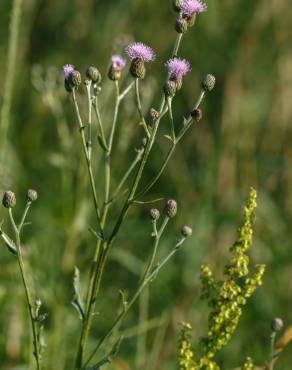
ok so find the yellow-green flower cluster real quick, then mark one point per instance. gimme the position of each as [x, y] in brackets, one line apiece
[248, 365]
[186, 354]
[225, 297]
[228, 297]
[206, 363]
[239, 262]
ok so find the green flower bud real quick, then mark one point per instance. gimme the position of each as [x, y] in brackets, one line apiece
[68, 86]
[75, 79]
[178, 83]
[154, 114]
[177, 5]
[93, 74]
[277, 324]
[9, 199]
[208, 82]
[197, 114]
[154, 214]
[31, 195]
[181, 25]
[186, 231]
[137, 68]
[191, 20]
[169, 88]
[170, 209]
[114, 74]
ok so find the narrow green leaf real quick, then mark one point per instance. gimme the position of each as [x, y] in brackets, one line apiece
[8, 242]
[108, 358]
[77, 298]
[102, 143]
[168, 138]
[123, 300]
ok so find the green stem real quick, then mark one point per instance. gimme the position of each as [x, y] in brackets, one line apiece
[99, 121]
[272, 347]
[176, 45]
[127, 174]
[145, 281]
[28, 296]
[88, 162]
[126, 91]
[155, 248]
[89, 127]
[169, 101]
[182, 132]
[100, 248]
[139, 106]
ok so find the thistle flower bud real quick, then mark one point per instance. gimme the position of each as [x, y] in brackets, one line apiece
[75, 79]
[169, 88]
[117, 65]
[154, 114]
[181, 25]
[177, 5]
[137, 68]
[93, 74]
[31, 195]
[178, 82]
[208, 82]
[68, 86]
[9, 199]
[114, 74]
[186, 231]
[277, 324]
[170, 209]
[197, 114]
[154, 214]
[191, 20]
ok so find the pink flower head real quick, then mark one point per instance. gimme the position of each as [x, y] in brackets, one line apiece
[68, 69]
[118, 62]
[177, 67]
[192, 7]
[138, 50]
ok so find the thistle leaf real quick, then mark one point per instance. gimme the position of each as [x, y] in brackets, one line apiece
[77, 298]
[102, 143]
[8, 242]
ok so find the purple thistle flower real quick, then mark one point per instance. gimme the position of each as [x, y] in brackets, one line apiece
[177, 67]
[118, 62]
[68, 69]
[192, 7]
[140, 51]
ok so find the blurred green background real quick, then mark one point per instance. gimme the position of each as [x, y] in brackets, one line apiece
[243, 140]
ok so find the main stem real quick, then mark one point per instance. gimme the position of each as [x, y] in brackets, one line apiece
[101, 245]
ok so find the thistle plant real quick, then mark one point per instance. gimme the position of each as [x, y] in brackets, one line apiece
[139, 54]
[14, 245]
[226, 298]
